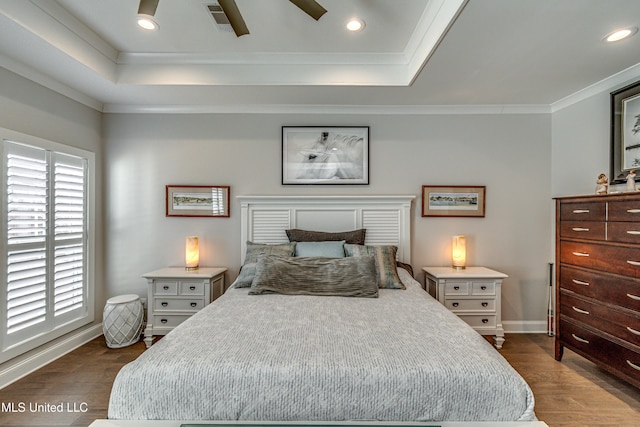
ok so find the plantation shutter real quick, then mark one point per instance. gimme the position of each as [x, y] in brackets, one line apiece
[46, 249]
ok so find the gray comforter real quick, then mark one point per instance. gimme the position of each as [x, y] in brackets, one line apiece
[399, 357]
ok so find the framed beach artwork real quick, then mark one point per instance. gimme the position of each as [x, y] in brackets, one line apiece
[197, 200]
[447, 201]
[625, 132]
[325, 155]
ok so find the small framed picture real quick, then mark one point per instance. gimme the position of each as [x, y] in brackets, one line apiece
[453, 200]
[325, 155]
[197, 200]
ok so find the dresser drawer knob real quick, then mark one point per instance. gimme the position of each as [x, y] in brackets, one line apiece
[456, 288]
[580, 211]
[484, 288]
[579, 310]
[485, 304]
[634, 297]
[578, 229]
[633, 232]
[577, 338]
[633, 365]
[165, 304]
[580, 282]
[165, 287]
[580, 253]
[163, 320]
[485, 320]
[634, 263]
[192, 288]
[193, 304]
[633, 331]
[633, 210]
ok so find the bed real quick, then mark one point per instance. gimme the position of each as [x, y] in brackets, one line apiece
[397, 357]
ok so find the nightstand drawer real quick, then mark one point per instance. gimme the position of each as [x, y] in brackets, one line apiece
[483, 288]
[456, 288]
[166, 287]
[471, 305]
[169, 320]
[178, 304]
[191, 288]
[479, 320]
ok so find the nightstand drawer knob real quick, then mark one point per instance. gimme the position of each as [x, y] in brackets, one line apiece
[633, 365]
[165, 304]
[634, 263]
[580, 282]
[633, 210]
[163, 320]
[455, 304]
[194, 304]
[485, 320]
[580, 211]
[484, 288]
[484, 304]
[579, 229]
[192, 288]
[578, 310]
[634, 297]
[580, 253]
[633, 331]
[456, 288]
[577, 338]
[165, 287]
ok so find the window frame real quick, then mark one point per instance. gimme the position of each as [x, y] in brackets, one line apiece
[58, 329]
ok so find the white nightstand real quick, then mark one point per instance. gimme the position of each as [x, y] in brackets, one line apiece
[175, 294]
[473, 294]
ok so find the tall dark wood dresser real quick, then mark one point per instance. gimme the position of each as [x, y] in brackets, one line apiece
[598, 281]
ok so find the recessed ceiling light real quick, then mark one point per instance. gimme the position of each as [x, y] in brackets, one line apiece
[620, 34]
[355, 24]
[147, 22]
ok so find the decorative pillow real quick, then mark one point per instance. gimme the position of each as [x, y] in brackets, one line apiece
[347, 277]
[320, 249]
[385, 257]
[253, 252]
[355, 237]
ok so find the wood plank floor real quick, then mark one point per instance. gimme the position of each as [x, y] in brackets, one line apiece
[572, 393]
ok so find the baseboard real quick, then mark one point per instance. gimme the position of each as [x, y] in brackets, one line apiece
[525, 326]
[41, 358]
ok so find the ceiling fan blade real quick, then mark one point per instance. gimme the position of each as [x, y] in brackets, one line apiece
[310, 7]
[148, 7]
[230, 9]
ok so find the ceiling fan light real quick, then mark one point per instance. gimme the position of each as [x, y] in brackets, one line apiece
[355, 24]
[147, 22]
[620, 34]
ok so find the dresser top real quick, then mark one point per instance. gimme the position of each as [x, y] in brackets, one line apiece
[182, 273]
[469, 272]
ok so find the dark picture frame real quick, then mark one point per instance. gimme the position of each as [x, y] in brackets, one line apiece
[333, 155]
[625, 131]
[453, 200]
[197, 200]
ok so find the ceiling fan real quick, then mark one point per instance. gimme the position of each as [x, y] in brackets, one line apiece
[230, 9]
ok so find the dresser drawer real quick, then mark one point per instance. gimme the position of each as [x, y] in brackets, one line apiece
[166, 287]
[617, 323]
[590, 230]
[624, 211]
[471, 304]
[583, 211]
[483, 288]
[191, 288]
[619, 358]
[625, 232]
[456, 288]
[479, 320]
[178, 304]
[614, 259]
[169, 320]
[603, 287]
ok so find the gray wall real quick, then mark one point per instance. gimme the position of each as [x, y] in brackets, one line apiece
[510, 154]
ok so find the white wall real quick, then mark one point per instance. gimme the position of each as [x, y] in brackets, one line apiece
[510, 154]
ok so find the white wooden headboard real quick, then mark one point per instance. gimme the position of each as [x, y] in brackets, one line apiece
[387, 219]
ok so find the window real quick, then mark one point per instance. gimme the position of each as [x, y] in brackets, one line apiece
[46, 257]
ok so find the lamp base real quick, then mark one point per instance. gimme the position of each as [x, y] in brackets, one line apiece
[458, 267]
[191, 268]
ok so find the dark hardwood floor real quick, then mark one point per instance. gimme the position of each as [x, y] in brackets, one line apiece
[572, 393]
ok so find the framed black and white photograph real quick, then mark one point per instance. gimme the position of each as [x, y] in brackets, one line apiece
[453, 200]
[625, 131]
[325, 155]
[197, 200]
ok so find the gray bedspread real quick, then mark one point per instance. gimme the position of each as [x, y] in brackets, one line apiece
[399, 357]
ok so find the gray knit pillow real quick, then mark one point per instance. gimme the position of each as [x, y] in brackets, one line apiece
[385, 257]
